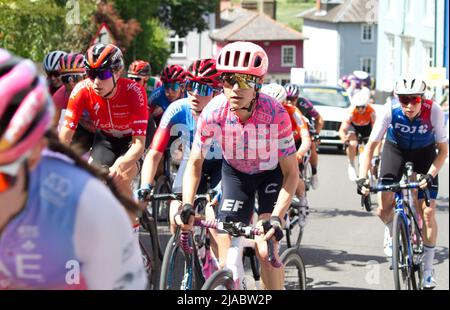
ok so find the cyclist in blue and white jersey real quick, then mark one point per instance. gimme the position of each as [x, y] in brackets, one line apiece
[60, 226]
[415, 129]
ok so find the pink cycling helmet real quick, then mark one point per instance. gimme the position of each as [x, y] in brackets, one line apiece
[26, 109]
[243, 57]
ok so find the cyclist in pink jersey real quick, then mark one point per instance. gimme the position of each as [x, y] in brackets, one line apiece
[258, 147]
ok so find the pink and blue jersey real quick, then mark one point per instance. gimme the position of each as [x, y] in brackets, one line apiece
[72, 234]
[250, 147]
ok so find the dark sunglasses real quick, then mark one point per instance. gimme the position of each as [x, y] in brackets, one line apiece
[173, 86]
[361, 108]
[291, 98]
[66, 79]
[405, 100]
[101, 74]
[136, 79]
[53, 74]
[244, 81]
[199, 88]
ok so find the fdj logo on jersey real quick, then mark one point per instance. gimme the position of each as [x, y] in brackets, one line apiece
[422, 129]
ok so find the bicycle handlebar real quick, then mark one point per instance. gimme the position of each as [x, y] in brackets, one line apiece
[396, 187]
[238, 229]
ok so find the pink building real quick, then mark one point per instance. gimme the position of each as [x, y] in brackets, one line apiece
[283, 45]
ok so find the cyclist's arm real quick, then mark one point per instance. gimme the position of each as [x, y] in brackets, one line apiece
[437, 119]
[105, 246]
[134, 152]
[378, 131]
[192, 174]
[304, 133]
[343, 129]
[75, 107]
[318, 123]
[289, 168]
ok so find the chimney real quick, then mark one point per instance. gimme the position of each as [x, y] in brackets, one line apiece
[268, 7]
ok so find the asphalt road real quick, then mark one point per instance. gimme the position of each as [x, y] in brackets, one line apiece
[342, 246]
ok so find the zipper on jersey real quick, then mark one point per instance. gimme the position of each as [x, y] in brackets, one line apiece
[110, 117]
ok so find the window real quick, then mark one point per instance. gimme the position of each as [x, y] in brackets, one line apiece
[367, 33]
[177, 46]
[407, 56]
[409, 9]
[367, 64]
[428, 55]
[429, 12]
[288, 56]
[390, 55]
[391, 8]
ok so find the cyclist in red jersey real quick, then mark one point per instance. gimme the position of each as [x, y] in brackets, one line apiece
[118, 109]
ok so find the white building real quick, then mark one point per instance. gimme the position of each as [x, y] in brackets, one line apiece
[406, 39]
[192, 47]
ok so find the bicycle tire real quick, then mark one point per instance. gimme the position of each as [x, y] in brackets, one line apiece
[174, 271]
[294, 270]
[220, 278]
[294, 233]
[160, 209]
[400, 264]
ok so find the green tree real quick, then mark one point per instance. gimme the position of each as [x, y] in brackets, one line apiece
[183, 16]
[32, 29]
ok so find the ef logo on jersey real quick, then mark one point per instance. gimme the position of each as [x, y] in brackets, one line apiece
[422, 129]
[231, 205]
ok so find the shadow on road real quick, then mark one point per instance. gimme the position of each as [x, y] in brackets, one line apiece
[335, 212]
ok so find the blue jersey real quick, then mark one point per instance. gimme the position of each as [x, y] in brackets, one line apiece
[426, 129]
[50, 243]
[159, 98]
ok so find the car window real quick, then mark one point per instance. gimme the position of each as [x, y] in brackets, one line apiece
[327, 97]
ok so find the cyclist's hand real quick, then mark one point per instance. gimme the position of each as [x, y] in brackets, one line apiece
[143, 193]
[275, 230]
[185, 217]
[299, 157]
[425, 180]
[363, 186]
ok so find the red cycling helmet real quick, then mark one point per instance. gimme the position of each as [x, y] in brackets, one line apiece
[103, 57]
[173, 73]
[204, 71]
[139, 68]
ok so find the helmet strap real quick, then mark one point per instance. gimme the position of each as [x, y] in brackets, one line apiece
[114, 87]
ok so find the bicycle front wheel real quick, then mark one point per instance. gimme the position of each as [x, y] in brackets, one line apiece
[294, 270]
[179, 271]
[401, 260]
[220, 280]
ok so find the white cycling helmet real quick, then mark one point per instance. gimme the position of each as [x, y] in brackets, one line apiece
[361, 98]
[410, 86]
[51, 60]
[275, 90]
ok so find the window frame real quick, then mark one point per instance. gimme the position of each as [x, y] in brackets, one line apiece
[294, 54]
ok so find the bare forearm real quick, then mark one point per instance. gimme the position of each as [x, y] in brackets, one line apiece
[367, 157]
[134, 152]
[439, 160]
[150, 166]
[191, 179]
[319, 124]
[66, 135]
[286, 194]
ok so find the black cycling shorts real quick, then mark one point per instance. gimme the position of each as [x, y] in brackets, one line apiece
[82, 140]
[238, 193]
[393, 161]
[364, 131]
[106, 149]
